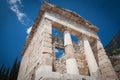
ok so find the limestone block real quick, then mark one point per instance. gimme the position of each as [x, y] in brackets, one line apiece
[40, 70]
[70, 77]
[48, 39]
[101, 57]
[48, 30]
[40, 32]
[104, 62]
[47, 49]
[44, 68]
[47, 44]
[44, 74]
[60, 64]
[46, 59]
[35, 38]
[88, 78]
[71, 66]
[82, 57]
[47, 35]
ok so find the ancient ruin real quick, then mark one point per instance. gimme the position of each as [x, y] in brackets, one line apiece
[82, 60]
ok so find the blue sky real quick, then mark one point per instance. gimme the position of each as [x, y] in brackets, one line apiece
[17, 16]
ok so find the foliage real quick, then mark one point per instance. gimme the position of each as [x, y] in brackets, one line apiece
[7, 74]
[114, 52]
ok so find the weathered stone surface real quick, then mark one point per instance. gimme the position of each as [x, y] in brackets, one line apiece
[79, 61]
[57, 76]
[104, 62]
[69, 51]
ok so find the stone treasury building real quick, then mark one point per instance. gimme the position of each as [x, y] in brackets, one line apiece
[85, 59]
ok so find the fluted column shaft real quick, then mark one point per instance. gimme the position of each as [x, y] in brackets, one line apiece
[71, 64]
[92, 64]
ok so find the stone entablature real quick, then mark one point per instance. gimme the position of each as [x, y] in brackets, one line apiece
[87, 62]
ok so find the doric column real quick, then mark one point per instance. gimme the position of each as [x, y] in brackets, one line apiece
[71, 64]
[104, 62]
[92, 64]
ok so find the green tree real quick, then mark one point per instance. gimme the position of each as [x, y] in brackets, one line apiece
[14, 71]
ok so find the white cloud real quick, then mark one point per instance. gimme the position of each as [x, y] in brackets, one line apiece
[12, 2]
[29, 30]
[19, 14]
[22, 17]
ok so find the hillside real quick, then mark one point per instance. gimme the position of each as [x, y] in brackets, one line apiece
[113, 48]
[113, 51]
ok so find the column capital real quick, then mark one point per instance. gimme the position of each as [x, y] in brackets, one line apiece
[67, 29]
[64, 28]
[82, 36]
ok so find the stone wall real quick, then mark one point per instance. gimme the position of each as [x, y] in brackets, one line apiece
[58, 76]
[80, 58]
[104, 63]
[61, 64]
[38, 51]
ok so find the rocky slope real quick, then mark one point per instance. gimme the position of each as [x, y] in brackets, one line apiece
[113, 51]
[113, 48]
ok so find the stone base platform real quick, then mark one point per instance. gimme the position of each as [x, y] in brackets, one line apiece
[65, 76]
